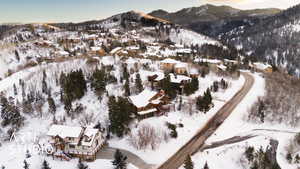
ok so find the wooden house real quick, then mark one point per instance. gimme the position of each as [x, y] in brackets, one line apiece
[149, 103]
[68, 142]
[168, 64]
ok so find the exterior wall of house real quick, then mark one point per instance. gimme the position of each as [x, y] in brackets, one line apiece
[80, 151]
[167, 66]
[181, 70]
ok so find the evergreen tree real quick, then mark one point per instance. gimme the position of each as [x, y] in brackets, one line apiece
[28, 155]
[180, 103]
[81, 165]
[195, 84]
[127, 88]
[120, 111]
[26, 165]
[10, 113]
[44, 83]
[45, 165]
[125, 72]
[260, 111]
[52, 106]
[167, 86]
[215, 86]
[15, 90]
[98, 81]
[206, 166]
[119, 161]
[204, 103]
[73, 86]
[188, 163]
[138, 83]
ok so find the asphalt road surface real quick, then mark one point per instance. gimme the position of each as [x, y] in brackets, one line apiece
[195, 143]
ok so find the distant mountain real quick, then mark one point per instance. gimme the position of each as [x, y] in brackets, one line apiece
[130, 20]
[214, 20]
[273, 39]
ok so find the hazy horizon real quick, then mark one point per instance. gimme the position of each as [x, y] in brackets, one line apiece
[49, 11]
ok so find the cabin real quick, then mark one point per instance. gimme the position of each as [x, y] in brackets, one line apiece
[97, 51]
[179, 79]
[212, 63]
[168, 64]
[68, 142]
[149, 103]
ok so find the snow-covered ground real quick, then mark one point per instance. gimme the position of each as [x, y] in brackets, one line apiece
[192, 123]
[236, 125]
[3, 68]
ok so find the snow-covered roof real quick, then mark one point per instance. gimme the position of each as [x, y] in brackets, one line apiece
[194, 71]
[91, 134]
[230, 61]
[222, 67]
[147, 111]
[64, 131]
[184, 50]
[168, 60]
[63, 53]
[262, 66]
[181, 65]
[95, 48]
[178, 78]
[133, 47]
[142, 99]
[115, 50]
[212, 61]
[179, 46]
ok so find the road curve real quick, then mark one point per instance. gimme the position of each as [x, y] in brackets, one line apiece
[197, 141]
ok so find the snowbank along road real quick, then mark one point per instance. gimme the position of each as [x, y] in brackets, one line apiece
[195, 143]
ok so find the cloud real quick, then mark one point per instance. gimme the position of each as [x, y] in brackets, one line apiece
[252, 4]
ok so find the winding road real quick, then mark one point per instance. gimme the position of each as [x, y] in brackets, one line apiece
[196, 142]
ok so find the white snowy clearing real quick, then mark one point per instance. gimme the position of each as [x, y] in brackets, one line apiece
[232, 155]
[192, 123]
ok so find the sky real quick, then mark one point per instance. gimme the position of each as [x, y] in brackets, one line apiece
[36, 11]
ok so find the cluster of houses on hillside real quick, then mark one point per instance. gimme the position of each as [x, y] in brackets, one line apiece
[84, 143]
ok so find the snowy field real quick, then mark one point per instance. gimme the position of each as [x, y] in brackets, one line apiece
[3, 68]
[192, 123]
[232, 155]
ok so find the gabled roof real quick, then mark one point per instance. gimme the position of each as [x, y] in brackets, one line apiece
[64, 131]
[142, 99]
[179, 78]
[172, 61]
[222, 67]
[91, 134]
[181, 65]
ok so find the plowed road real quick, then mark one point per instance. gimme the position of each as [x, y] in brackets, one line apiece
[211, 126]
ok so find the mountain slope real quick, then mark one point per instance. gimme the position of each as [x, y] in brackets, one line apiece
[27, 45]
[214, 20]
[274, 39]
